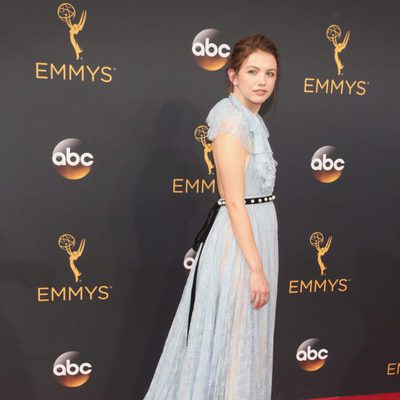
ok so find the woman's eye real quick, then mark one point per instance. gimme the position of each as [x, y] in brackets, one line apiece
[271, 74]
[252, 71]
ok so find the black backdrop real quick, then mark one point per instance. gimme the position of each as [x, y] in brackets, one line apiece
[136, 118]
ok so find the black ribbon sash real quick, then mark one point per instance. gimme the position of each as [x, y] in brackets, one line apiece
[197, 242]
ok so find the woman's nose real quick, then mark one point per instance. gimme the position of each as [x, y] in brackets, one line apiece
[262, 81]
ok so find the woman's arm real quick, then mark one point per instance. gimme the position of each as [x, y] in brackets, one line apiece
[230, 157]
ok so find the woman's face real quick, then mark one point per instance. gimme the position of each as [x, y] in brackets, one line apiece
[255, 81]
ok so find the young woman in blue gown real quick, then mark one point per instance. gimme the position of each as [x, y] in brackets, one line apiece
[227, 352]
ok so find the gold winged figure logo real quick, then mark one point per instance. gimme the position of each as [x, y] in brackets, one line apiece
[67, 242]
[200, 134]
[316, 240]
[67, 13]
[333, 33]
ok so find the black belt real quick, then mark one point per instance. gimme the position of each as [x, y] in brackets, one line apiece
[202, 236]
[252, 200]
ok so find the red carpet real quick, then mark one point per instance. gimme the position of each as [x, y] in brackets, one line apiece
[383, 396]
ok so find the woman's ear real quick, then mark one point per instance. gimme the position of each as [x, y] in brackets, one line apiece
[232, 76]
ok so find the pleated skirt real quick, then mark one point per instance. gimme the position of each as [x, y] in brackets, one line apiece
[228, 352]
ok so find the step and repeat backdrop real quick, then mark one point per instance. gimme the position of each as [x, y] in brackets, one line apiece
[106, 177]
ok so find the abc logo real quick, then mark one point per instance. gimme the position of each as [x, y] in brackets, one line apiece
[311, 356]
[70, 371]
[326, 167]
[71, 159]
[208, 54]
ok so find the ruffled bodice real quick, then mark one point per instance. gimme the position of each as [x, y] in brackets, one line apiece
[230, 116]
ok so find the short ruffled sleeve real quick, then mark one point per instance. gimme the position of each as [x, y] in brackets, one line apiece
[223, 118]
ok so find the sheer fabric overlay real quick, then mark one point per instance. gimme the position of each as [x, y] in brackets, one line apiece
[229, 352]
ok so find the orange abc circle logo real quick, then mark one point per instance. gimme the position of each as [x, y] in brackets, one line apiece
[70, 370]
[311, 356]
[71, 159]
[326, 166]
[210, 54]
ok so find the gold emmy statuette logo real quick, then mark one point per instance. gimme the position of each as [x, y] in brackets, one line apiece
[66, 12]
[333, 33]
[67, 242]
[316, 239]
[200, 134]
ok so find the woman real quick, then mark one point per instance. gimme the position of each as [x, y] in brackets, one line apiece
[227, 352]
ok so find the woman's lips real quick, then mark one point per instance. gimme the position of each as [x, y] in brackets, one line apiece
[260, 92]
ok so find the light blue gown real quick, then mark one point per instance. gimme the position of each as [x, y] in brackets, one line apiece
[229, 352]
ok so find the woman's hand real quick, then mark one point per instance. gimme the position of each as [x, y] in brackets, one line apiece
[259, 288]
